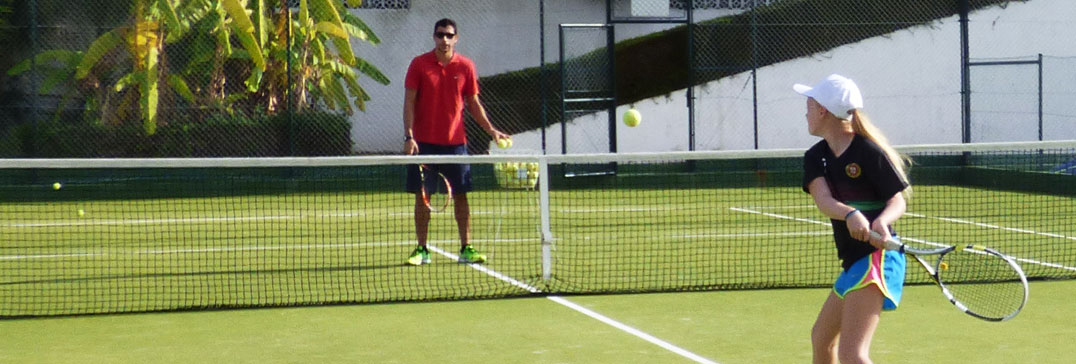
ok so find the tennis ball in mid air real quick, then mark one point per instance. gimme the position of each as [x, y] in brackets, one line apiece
[81, 212]
[504, 143]
[56, 186]
[632, 117]
[944, 266]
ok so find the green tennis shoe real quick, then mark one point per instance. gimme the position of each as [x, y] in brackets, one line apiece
[420, 256]
[469, 255]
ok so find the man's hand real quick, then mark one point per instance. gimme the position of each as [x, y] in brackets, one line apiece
[410, 147]
[498, 135]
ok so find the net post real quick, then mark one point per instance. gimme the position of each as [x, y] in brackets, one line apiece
[547, 232]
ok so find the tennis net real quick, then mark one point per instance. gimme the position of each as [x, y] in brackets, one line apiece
[135, 235]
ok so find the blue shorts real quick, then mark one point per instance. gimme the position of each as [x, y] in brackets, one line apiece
[883, 268]
[458, 175]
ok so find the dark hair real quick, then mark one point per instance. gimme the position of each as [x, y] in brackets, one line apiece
[446, 22]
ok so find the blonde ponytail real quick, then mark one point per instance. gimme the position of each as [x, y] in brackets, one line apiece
[862, 125]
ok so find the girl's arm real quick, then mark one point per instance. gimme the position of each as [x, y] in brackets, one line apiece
[894, 209]
[858, 226]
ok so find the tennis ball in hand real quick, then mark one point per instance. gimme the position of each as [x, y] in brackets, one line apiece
[56, 186]
[632, 117]
[504, 143]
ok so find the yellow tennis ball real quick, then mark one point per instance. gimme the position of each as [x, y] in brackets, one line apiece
[632, 117]
[81, 212]
[56, 186]
[504, 143]
[944, 266]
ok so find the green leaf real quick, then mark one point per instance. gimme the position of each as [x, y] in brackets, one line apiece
[174, 27]
[339, 68]
[261, 24]
[240, 19]
[356, 91]
[254, 51]
[62, 105]
[56, 77]
[180, 87]
[149, 93]
[318, 51]
[331, 29]
[65, 57]
[368, 69]
[304, 12]
[337, 94]
[126, 81]
[192, 12]
[100, 46]
[254, 80]
[223, 37]
[324, 10]
[355, 26]
[244, 30]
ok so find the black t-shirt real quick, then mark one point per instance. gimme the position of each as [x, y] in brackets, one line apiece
[862, 177]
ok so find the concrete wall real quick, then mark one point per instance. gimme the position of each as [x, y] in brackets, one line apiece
[910, 78]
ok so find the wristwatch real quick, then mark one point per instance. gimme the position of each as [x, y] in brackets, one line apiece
[408, 137]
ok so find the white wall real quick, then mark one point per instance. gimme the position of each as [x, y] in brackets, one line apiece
[910, 78]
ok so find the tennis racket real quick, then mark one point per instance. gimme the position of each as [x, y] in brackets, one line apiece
[436, 191]
[977, 280]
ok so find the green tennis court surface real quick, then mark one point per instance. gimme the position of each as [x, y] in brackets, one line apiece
[168, 238]
[728, 327]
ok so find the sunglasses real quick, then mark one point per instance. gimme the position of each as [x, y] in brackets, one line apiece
[444, 35]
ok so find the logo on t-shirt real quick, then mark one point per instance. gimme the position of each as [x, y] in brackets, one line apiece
[853, 170]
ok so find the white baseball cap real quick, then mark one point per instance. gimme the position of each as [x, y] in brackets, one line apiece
[836, 93]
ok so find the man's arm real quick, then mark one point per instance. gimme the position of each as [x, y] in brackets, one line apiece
[410, 146]
[479, 114]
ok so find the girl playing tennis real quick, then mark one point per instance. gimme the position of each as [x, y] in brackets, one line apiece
[857, 179]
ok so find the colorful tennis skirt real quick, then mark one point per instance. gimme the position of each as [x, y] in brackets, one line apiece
[883, 268]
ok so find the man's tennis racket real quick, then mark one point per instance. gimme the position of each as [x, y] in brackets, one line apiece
[436, 191]
[978, 280]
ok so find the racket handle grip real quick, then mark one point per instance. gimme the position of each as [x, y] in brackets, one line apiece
[891, 243]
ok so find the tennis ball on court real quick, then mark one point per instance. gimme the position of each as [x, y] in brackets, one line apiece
[56, 186]
[504, 143]
[632, 118]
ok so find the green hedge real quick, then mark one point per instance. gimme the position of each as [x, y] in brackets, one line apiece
[306, 134]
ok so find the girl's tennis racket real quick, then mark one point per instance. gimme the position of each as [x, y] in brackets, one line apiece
[978, 280]
[436, 191]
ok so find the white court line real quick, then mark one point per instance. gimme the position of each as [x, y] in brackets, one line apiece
[241, 249]
[992, 226]
[809, 221]
[204, 250]
[618, 209]
[1024, 260]
[597, 316]
[1004, 228]
[749, 235]
[631, 330]
[771, 208]
[202, 220]
[152, 221]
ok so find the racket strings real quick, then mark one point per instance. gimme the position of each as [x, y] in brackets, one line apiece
[985, 283]
[436, 191]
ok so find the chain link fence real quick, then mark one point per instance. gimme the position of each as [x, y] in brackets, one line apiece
[167, 78]
[208, 78]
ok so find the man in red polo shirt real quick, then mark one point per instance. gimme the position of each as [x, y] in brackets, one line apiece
[438, 85]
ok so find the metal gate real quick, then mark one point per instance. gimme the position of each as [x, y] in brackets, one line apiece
[588, 102]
